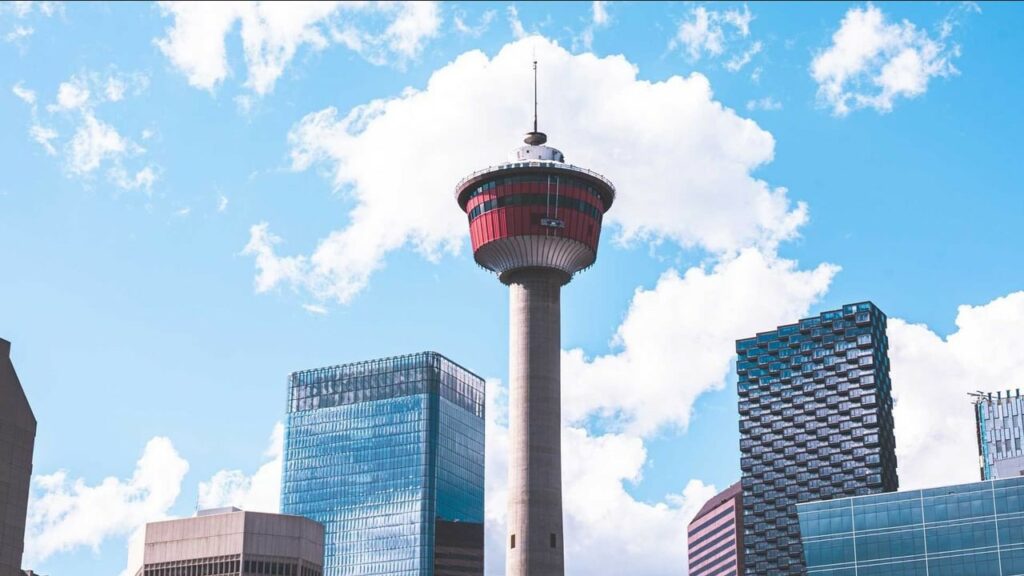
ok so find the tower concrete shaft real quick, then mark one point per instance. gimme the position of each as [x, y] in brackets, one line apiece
[535, 539]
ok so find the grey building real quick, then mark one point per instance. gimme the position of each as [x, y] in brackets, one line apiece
[999, 428]
[815, 424]
[17, 439]
[389, 455]
[229, 541]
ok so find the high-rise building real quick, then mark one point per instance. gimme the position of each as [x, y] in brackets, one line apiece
[389, 456]
[714, 539]
[232, 542]
[999, 429]
[967, 530]
[17, 440]
[535, 221]
[815, 423]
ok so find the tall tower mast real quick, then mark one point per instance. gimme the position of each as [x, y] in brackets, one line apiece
[535, 221]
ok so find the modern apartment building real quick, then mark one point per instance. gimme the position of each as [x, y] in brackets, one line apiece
[389, 456]
[17, 439]
[815, 423]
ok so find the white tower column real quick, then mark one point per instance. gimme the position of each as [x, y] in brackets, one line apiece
[534, 543]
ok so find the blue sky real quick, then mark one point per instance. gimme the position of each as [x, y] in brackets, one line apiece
[182, 226]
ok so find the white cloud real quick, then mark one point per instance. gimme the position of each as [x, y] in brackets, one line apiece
[935, 440]
[518, 31]
[115, 89]
[702, 311]
[19, 33]
[72, 94]
[737, 62]
[273, 270]
[222, 203]
[739, 19]
[708, 32]
[141, 180]
[599, 13]
[26, 95]
[872, 62]
[599, 18]
[44, 137]
[195, 44]
[413, 25]
[93, 142]
[273, 32]
[459, 21]
[260, 492]
[314, 309]
[691, 157]
[25, 8]
[65, 514]
[767, 103]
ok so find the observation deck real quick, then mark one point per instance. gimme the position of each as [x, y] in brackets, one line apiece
[535, 211]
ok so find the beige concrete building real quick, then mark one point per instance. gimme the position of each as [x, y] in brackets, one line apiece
[229, 541]
[17, 438]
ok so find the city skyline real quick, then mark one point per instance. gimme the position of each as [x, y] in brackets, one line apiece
[191, 213]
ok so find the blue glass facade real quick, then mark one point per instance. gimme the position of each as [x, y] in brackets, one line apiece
[388, 454]
[968, 530]
[815, 423]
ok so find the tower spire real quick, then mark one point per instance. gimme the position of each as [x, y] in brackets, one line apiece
[535, 138]
[535, 95]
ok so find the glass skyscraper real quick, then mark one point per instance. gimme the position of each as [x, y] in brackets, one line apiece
[815, 423]
[389, 456]
[999, 434]
[967, 530]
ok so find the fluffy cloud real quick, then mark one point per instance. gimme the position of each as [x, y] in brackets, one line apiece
[681, 160]
[273, 32]
[72, 94]
[459, 21]
[702, 311]
[65, 514]
[514, 23]
[872, 62]
[93, 142]
[767, 103]
[709, 32]
[94, 145]
[737, 62]
[599, 13]
[931, 379]
[24, 94]
[599, 18]
[22, 10]
[44, 137]
[26, 8]
[260, 492]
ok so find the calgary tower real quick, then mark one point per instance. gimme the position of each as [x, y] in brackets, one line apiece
[535, 221]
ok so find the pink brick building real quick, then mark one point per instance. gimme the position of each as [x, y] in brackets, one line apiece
[715, 535]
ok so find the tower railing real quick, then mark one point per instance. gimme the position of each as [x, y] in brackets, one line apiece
[534, 164]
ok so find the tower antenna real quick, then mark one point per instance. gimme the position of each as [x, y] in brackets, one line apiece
[535, 138]
[535, 94]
